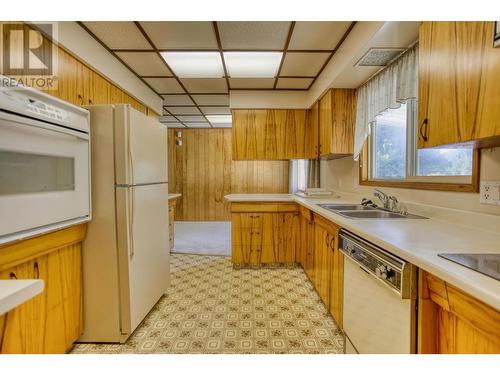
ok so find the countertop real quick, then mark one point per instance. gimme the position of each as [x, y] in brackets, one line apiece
[15, 292]
[174, 196]
[417, 241]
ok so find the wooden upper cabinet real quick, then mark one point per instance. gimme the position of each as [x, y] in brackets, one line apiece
[269, 134]
[459, 84]
[337, 114]
[312, 132]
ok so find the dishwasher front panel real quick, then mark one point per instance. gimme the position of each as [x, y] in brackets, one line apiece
[376, 319]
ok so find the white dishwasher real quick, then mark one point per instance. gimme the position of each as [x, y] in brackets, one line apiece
[379, 299]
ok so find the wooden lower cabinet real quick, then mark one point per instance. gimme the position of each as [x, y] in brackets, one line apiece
[452, 322]
[268, 235]
[323, 243]
[51, 321]
[171, 219]
[306, 251]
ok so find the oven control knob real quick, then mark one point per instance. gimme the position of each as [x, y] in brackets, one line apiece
[381, 272]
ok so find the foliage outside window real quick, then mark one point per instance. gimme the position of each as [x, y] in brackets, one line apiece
[392, 154]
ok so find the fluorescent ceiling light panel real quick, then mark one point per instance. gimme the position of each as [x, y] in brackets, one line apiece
[195, 64]
[252, 64]
[220, 119]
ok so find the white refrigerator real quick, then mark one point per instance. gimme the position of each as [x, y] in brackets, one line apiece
[126, 250]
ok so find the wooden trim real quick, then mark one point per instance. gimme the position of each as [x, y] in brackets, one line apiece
[221, 52]
[472, 187]
[264, 207]
[13, 254]
[285, 48]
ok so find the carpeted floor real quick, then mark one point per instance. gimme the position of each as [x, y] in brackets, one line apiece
[211, 308]
[202, 237]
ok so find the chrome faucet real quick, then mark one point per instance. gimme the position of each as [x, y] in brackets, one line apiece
[389, 202]
[384, 198]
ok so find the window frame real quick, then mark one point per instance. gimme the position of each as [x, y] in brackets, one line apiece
[412, 180]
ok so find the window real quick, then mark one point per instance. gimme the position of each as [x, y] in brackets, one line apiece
[392, 155]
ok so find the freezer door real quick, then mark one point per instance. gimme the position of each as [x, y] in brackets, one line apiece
[140, 147]
[142, 216]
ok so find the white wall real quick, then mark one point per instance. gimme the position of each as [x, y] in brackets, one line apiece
[342, 175]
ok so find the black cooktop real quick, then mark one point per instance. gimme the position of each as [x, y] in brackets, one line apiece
[487, 264]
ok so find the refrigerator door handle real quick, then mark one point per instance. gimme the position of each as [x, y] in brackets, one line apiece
[130, 196]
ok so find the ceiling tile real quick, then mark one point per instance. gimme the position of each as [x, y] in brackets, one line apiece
[183, 110]
[145, 63]
[197, 124]
[205, 85]
[251, 83]
[252, 64]
[177, 100]
[211, 99]
[191, 118]
[168, 118]
[118, 35]
[216, 110]
[294, 83]
[317, 35]
[195, 64]
[303, 63]
[181, 35]
[165, 85]
[253, 35]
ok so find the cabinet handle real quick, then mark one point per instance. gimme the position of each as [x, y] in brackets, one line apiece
[327, 239]
[423, 133]
[81, 99]
[37, 270]
[13, 275]
[332, 244]
[254, 216]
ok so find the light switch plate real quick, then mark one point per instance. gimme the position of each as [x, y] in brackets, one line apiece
[489, 192]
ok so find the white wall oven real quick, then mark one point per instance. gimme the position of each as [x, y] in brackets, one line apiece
[44, 163]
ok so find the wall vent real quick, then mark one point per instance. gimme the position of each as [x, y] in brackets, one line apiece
[379, 56]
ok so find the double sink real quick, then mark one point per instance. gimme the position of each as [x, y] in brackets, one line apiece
[358, 211]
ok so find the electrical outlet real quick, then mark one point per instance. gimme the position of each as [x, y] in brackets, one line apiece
[489, 192]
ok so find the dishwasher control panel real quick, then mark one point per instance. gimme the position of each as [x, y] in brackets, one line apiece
[390, 269]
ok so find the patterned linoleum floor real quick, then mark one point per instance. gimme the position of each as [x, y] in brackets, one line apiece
[211, 308]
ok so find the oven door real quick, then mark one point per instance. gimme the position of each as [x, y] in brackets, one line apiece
[44, 177]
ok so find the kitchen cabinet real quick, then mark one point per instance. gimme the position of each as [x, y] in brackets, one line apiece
[459, 84]
[51, 321]
[312, 132]
[326, 268]
[337, 114]
[268, 134]
[306, 251]
[452, 322]
[264, 234]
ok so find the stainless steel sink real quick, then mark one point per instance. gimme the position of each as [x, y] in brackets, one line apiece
[357, 211]
[346, 207]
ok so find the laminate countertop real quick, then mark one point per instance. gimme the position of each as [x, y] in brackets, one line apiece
[15, 292]
[418, 241]
[174, 196]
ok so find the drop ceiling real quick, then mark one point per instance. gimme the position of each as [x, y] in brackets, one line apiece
[208, 59]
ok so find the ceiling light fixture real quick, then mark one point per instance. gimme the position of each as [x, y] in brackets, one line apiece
[195, 64]
[220, 119]
[252, 64]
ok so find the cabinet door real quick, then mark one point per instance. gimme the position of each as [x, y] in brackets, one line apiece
[337, 280]
[325, 124]
[322, 261]
[459, 83]
[310, 246]
[246, 238]
[312, 132]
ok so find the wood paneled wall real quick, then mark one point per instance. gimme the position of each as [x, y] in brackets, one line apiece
[79, 84]
[203, 171]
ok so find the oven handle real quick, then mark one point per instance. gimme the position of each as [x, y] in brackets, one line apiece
[43, 125]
